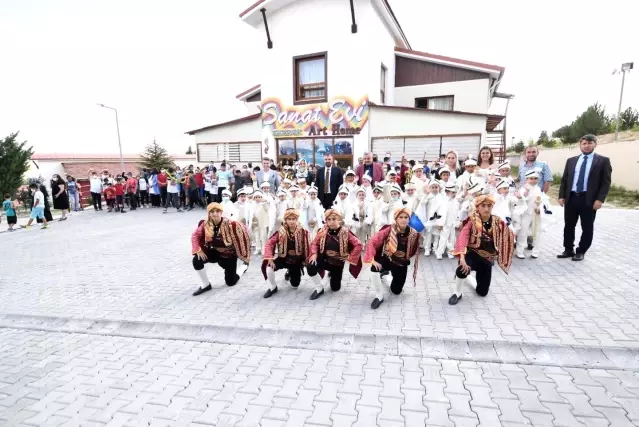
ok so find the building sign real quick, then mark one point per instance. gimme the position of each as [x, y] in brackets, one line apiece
[340, 116]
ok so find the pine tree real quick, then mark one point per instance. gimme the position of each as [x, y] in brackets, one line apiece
[155, 157]
[189, 151]
[14, 163]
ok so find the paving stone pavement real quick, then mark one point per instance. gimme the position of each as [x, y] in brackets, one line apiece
[59, 379]
[137, 267]
[98, 327]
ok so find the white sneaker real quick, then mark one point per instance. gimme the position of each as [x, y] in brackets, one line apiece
[520, 256]
[451, 256]
[438, 256]
[426, 252]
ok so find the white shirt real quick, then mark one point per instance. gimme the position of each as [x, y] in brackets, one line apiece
[142, 184]
[96, 185]
[172, 188]
[223, 179]
[38, 197]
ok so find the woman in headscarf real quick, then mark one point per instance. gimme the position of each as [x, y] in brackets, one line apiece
[483, 239]
[222, 241]
[291, 241]
[304, 172]
[60, 197]
[389, 252]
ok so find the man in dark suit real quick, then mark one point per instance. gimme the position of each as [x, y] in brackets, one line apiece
[328, 180]
[583, 189]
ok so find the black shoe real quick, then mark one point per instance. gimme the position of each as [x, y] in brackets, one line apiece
[454, 299]
[287, 277]
[530, 247]
[316, 294]
[376, 303]
[202, 290]
[566, 254]
[578, 257]
[270, 292]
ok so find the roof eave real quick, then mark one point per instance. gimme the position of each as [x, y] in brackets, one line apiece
[493, 70]
[230, 122]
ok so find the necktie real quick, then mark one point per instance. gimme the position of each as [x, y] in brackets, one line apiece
[326, 179]
[582, 175]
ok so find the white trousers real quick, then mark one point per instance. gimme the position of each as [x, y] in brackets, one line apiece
[260, 236]
[430, 238]
[446, 240]
[524, 232]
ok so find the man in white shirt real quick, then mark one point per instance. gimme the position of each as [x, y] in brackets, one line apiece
[37, 210]
[96, 189]
[223, 180]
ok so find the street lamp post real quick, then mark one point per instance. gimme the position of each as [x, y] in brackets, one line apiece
[624, 67]
[117, 125]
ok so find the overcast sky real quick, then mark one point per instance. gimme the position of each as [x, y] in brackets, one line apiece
[164, 64]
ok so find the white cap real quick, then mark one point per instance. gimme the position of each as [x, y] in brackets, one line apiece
[265, 184]
[378, 187]
[410, 186]
[294, 187]
[226, 192]
[349, 171]
[367, 177]
[475, 188]
[504, 165]
[418, 166]
[450, 186]
[444, 169]
[301, 179]
[343, 189]
[360, 190]
[241, 191]
[503, 184]
[281, 192]
[434, 182]
[396, 187]
[312, 189]
[470, 162]
[532, 174]
[257, 193]
[287, 181]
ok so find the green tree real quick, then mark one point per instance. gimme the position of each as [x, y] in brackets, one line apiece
[14, 163]
[519, 147]
[594, 121]
[545, 140]
[628, 119]
[155, 156]
[189, 151]
[564, 133]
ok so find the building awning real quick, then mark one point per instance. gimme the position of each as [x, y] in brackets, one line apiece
[492, 121]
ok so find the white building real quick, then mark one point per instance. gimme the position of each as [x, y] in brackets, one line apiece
[352, 87]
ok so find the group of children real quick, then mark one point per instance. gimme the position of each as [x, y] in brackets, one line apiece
[474, 217]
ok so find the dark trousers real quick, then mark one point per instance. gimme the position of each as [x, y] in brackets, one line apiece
[133, 199]
[578, 209]
[335, 272]
[119, 201]
[163, 193]
[483, 270]
[229, 265]
[327, 201]
[155, 200]
[174, 199]
[97, 200]
[144, 197]
[398, 272]
[294, 270]
[194, 196]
